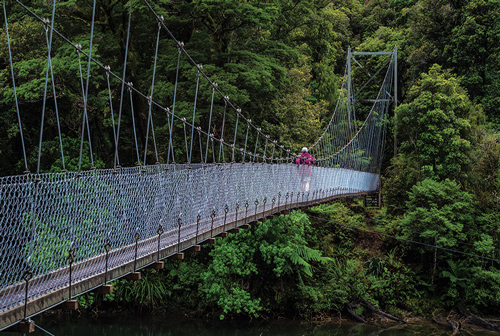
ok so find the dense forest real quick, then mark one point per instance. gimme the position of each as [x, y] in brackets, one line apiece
[282, 62]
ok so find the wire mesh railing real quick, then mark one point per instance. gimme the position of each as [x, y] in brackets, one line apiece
[44, 217]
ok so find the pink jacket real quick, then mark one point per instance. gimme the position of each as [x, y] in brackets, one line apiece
[306, 158]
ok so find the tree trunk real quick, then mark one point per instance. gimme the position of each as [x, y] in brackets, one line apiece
[477, 320]
[455, 326]
[348, 307]
[375, 310]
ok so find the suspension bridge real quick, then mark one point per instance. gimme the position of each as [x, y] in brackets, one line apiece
[63, 234]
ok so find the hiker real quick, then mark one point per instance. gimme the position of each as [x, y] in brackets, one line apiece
[304, 163]
[305, 158]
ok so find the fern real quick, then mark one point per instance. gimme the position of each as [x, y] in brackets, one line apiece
[301, 256]
[147, 292]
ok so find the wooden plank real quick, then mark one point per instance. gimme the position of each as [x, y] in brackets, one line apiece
[134, 276]
[71, 305]
[104, 289]
[158, 265]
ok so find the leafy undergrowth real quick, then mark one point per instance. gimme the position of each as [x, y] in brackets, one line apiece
[305, 266]
[291, 266]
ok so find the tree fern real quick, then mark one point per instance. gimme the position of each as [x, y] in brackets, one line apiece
[302, 255]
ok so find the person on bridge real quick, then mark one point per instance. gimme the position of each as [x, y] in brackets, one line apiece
[304, 163]
[305, 158]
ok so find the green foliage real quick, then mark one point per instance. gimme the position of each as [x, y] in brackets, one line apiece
[46, 243]
[438, 209]
[474, 51]
[434, 127]
[435, 134]
[442, 214]
[86, 301]
[258, 53]
[299, 117]
[484, 180]
[149, 292]
[250, 264]
[356, 273]
[51, 158]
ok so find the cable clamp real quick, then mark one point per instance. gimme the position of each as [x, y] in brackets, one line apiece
[107, 68]
[46, 23]
[167, 109]
[160, 230]
[249, 121]
[27, 275]
[259, 129]
[71, 255]
[183, 120]
[148, 98]
[160, 19]
[226, 98]
[78, 47]
[180, 45]
[238, 111]
[199, 67]
[215, 85]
